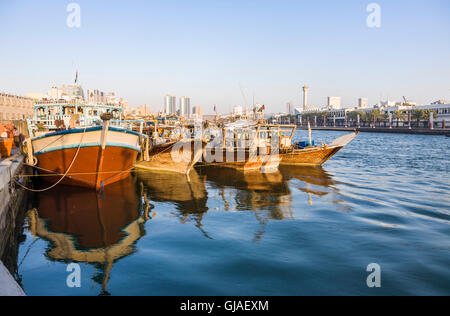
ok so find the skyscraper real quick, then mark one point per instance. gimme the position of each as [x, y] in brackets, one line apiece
[290, 108]
[170, 104]
[185, 107]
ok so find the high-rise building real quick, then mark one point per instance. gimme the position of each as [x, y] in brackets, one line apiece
[334, 103]
[185, 107]
[290, 108]
[363, 102]
[170, 104]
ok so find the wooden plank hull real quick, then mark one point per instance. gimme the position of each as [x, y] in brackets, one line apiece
[172, 157]
[316, 156]
[241, 160]
[102, 158]
[86, 171]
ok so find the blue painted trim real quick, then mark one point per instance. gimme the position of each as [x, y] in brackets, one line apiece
[138, 149]
[89, 129]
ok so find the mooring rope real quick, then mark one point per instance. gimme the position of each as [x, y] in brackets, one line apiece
[71, 174]
[63, 177]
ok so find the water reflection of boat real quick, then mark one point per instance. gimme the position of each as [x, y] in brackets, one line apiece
[187, 192]
[254, 189]
[313, 175]
[83, 226]
[314, 179]
[266, 195]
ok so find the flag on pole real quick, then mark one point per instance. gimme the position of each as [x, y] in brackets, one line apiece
[215, 110]
[76, 77]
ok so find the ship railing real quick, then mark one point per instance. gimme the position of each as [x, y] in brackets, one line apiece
[132, 125]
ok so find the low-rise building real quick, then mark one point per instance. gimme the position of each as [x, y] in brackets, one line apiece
[13, 107]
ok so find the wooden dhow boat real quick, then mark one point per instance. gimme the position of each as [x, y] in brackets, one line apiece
[88, 156]
[167, 150]
[241, 145]
[306, 153]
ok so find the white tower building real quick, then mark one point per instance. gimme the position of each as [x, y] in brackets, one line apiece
[305, 97]
[185, 107]
[170, 104]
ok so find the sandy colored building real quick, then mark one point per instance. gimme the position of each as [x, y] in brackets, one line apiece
[14, 107]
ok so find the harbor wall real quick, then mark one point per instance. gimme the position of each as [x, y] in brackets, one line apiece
[13, 201]
[417, 131]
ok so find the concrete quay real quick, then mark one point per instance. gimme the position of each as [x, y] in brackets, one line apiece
[12, 199]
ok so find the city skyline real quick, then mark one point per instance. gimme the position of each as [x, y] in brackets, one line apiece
[270, 49]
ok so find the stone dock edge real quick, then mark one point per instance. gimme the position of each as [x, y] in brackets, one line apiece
[8, 169]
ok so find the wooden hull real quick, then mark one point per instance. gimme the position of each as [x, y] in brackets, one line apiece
[88, 170]
[237, 159]
[316, 156]
[172, 157]
[95, 166]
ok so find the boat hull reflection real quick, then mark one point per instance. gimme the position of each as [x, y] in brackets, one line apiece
[83, 226]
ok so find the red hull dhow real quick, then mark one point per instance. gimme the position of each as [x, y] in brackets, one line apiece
[93, 157]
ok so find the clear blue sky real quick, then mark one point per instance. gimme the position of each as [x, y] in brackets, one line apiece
[143, 50]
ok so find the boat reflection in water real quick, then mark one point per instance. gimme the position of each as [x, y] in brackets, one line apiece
[85, 227]
[254, 190]
[314, 180]
[187, 192]
[267, 195]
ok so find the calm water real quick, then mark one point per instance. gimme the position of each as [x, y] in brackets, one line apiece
[384, 199]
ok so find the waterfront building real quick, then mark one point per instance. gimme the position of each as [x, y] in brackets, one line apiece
[143, 110]
[197, 112]
[334, 103]
[339, 117]
[185, 107]
[55, 93]
[72, 92]
[13, 107]
[363, 102]
[36, 96]
[170, 104]
[96, 97]
[441, 102]
[111, 98]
